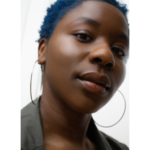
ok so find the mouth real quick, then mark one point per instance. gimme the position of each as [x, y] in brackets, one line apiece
[95, 82]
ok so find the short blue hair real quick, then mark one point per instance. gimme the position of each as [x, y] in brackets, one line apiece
[61, 7]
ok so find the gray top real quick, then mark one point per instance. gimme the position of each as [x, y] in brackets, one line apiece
[32, 136]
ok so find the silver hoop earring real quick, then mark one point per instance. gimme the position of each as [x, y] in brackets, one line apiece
[31, 82]
[121, 116]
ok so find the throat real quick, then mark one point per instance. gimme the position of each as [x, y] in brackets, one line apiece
[63, 125]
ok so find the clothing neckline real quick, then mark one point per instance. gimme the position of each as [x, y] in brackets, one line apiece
[34, 129]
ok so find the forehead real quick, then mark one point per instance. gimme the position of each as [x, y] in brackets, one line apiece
[105, 14]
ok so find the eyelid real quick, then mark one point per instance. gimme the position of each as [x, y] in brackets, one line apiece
[83, 32]
[120, 50]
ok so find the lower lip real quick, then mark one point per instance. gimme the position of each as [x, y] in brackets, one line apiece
[93, 87]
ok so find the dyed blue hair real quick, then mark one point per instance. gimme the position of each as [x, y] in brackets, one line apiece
[57, 11]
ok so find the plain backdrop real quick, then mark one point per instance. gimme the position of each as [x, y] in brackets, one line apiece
[32, 14]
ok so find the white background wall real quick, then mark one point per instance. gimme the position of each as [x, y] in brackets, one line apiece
[32, 13]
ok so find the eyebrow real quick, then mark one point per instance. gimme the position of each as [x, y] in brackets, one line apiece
[89, 21]
[123, 36]
[97, 24]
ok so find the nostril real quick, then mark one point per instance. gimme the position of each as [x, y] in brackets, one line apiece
[97, 60]
[109, 65]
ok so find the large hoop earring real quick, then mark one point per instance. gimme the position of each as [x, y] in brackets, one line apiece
[31, 83]
[120, 117]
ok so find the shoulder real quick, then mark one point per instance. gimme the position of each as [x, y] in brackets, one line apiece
[28, 114]
[31, 131]
[27, 128]
[114, 144]
[30, 108]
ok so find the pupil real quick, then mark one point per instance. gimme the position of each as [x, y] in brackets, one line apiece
[116, 50]
[83, 36]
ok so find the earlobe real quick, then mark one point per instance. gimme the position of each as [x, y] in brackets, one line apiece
[42, 51]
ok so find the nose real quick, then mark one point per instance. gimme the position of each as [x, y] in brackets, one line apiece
[102, 56]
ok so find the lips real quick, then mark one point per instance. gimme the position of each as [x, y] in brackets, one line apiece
[95, 82]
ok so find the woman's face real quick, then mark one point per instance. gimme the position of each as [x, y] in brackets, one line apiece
[85, 56]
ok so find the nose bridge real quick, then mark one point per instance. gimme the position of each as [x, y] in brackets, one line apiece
[103, 55]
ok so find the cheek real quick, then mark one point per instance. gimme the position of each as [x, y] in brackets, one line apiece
[63, 51]
[120, 72]
[65, 55]
[61, 60]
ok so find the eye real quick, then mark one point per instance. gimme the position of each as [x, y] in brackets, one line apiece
[83, 37]
[118, 51]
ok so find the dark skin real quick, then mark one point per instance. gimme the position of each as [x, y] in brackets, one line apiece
[78, 46]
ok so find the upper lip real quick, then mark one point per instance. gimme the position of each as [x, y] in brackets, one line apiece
[100, 79]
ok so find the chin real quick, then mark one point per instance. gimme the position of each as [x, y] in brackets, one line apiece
[88, 106]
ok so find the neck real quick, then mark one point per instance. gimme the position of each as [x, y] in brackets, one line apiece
[60, 122]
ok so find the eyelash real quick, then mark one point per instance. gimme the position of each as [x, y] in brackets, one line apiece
[83, 35]
[117, 51]
[114, 49]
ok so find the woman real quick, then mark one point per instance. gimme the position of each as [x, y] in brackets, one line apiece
[83, 48]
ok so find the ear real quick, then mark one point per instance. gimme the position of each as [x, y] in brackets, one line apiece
[42, 51]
